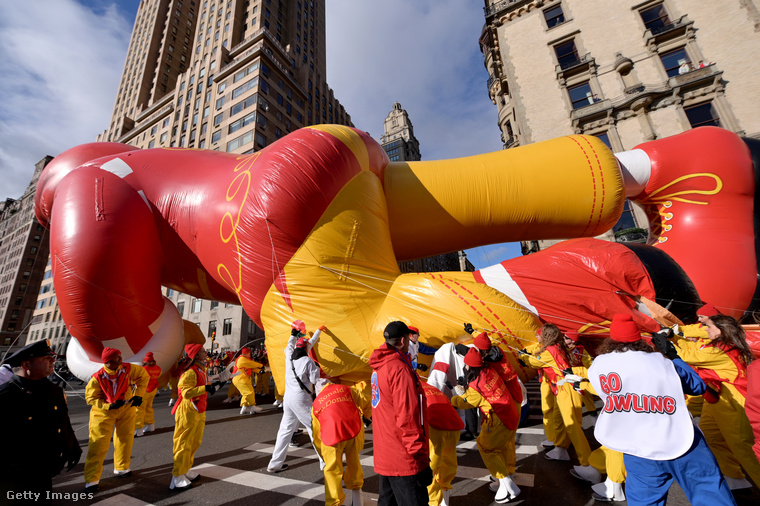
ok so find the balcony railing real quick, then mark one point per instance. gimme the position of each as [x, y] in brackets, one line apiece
[657, 30]
[499, 6]
[491, 79]
[576, 62]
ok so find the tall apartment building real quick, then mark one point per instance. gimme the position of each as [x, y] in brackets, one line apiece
[624, 71]
[24, 249]
[400, 145]
[226, 75]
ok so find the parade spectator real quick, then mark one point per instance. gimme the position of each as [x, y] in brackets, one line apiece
[337, 422]
[400, 422]
[722, 362]
[38, 438]
[114, 392]
[301, 374]
[646, 419]
[499, 406]
[190, 416]
[146, 421]
[246, 367]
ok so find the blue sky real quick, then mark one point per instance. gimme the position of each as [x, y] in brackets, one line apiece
[63, 60]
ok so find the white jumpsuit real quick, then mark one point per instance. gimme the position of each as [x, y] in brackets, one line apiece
[296, 404]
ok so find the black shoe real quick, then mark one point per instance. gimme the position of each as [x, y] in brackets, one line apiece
[92, 489]
[124, 475]
[467, 436]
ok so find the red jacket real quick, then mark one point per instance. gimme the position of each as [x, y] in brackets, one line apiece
[399, 415]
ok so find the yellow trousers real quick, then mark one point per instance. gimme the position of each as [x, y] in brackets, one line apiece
[694, 404]
[570, 411]
[608, 462]
[262, 383]
[103, 424]
[232, 391]
[588, 402]
[145, 414]
[352, 476]
[496, 445]
[243, 383]
[552, 424]
[443, 462]
[729, 435]
[188, 435]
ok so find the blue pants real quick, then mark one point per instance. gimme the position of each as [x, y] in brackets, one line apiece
[696, 471]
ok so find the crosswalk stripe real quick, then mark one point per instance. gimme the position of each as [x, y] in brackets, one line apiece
[263, 481]
[121, 500]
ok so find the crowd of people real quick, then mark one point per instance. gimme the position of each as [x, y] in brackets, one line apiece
[652, 388]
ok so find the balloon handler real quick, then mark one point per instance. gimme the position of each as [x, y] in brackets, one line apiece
[146, 421]
[114, 392]
[315, 223]
[190, 416]
[445, 428]
[338, 417]
[245, 367]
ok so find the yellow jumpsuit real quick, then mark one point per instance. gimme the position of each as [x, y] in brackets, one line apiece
[725, 424]
[243, 381]
[569, 406]
[548, 403]
[496, 443]
[610, 462]
[697, 333]
[117, 422]
[262, 382]
[188, 430]
[353, 475]
[145, 413]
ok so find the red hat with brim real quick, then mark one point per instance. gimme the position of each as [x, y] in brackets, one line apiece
[414, 330]
[708, 310]
[109, 354]
[624, 329]
[473, 358]
[572, 335]
[482, 342]
[192, 350]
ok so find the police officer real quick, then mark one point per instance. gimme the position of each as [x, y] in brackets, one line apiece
[38, 438]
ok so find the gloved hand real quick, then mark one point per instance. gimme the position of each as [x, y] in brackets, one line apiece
[322, 328]
[468, 328]
[422, 367]
[522, 352]
[570, 378]
[116, 405]
[425, 477]
[493, 354]
[660, 340]
[74, 459]
[461, 349]
[136, 401]
[567, 371]
[210, 389]
[459, 390]
[461, 381]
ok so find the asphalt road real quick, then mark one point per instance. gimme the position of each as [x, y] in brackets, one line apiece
[233, 458]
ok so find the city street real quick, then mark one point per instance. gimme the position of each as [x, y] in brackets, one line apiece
[233, 458]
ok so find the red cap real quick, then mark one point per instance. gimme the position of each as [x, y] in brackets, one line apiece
[473, 358]
[414, 330]
[572, 335]
[708, 310]
[482, 342]
[624, 329]
[245, 350]
[149, 357]
[109, 354]
[302, 342]
[299, 325]
[192, 350]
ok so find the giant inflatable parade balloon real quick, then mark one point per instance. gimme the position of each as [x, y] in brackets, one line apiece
[311, 228]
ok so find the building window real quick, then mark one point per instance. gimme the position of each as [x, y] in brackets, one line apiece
[216, 136]
[212, 328]
[656, 19]
[227, 330]
[554, 16]
[181, 308]
[702, 115]
[606, 140]
[197, 305]
[214, 304]
[567, 54]
[676, 62]
[237, 125]
[581, 95]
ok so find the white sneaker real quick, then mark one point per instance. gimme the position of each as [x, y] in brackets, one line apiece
[192, 475]
[171, 402]
[277, 403]
[179, 483]
[494, 485]
[151, 427]
[547, 444]
[139, 432]
[355, 499]
[507, 491]
[586, 473]
[608, 491]
[244, 410]
[558, 453]
[254, 409]
[122, 474]
[736, 483]
[446, 500]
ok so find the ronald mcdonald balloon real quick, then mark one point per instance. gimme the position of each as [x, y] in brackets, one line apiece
[311, 227]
